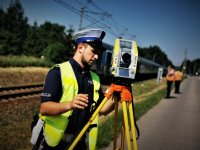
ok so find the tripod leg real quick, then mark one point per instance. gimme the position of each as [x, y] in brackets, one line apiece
[88, 124]
[125, 114]
[131, 114]
[115, 126]
[122, 136]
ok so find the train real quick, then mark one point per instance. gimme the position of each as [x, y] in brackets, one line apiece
[146, 69]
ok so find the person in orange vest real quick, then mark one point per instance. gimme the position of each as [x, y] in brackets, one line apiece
[178, 78]
[170, 80]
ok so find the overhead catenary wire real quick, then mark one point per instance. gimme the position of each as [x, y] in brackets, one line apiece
[110, 25]
[87, 17]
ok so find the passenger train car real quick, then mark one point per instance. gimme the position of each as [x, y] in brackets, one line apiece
[146, 69]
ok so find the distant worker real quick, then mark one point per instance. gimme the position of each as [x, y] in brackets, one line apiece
[71, 93]
[178, 78]
[170, 80]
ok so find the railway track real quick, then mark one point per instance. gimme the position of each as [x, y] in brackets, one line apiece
[26, 90]
[20, 91]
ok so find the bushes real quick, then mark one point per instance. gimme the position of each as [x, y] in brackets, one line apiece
[56, 52]
[23, 61]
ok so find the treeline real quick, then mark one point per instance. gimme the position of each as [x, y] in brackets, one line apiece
[17, 37]
[155, 54]
[191, 67]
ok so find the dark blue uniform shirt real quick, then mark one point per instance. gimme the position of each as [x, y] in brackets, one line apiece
[53, 91]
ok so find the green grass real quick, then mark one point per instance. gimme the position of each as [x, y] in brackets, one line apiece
[23, 61]
[143, 87]
[148, 103]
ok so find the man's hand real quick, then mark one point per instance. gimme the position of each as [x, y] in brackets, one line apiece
[50, 108]
[80, 101]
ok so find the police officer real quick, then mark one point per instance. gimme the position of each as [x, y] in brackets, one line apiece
[178, 79]
[71, 92]
[170, 80]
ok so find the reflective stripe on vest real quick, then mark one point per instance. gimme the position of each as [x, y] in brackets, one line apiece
[55, 126]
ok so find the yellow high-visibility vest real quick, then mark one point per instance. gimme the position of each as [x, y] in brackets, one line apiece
[55, 126]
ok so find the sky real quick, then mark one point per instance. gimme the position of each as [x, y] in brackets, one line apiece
[173, 25]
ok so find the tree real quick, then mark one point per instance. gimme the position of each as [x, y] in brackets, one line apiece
[17, 37]
[2, 33]
[69, 42]
[48, 34]
[154, 53]
[192, 67]
[56, 52]
[15, 28]
[30, 43]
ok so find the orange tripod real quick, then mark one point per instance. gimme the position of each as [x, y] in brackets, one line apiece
[126, 100]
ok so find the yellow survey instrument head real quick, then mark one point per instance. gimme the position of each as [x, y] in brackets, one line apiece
[124, 59]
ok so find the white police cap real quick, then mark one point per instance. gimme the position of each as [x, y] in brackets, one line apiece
[89, 35]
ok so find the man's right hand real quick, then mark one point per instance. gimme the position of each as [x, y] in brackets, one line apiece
[50, 108]
[80, 101]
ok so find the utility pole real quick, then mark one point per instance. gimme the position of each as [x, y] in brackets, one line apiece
[81, 18]
[83, 10]
[185, 63]
[194, 68]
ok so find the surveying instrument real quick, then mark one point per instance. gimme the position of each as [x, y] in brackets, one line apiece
[123, 69]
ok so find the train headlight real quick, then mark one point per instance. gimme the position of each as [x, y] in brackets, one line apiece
[124, 59]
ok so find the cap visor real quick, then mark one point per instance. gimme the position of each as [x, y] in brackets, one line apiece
[97, 46]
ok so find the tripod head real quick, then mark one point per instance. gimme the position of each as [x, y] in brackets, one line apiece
[125, 92]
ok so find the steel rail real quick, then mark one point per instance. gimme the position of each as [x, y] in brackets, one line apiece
[21, 93]
[20, 87]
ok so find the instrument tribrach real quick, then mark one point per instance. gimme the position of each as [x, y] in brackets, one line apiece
[124, 64]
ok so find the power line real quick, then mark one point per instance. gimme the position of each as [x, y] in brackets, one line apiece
[111, 26]
[87, 17]
[68, 6]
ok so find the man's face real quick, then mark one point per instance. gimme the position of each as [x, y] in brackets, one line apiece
[89, 55]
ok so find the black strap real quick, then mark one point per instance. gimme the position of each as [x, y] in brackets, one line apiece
[93, 126]
[136, 126]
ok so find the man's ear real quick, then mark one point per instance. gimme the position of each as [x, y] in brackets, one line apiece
[80, 47]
